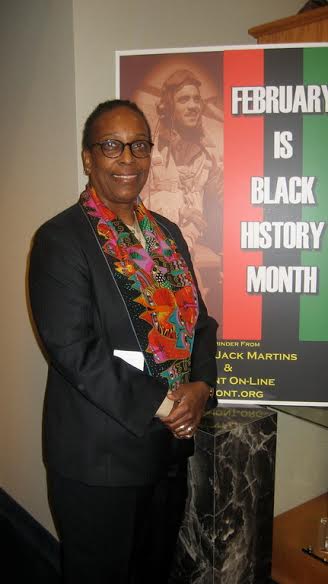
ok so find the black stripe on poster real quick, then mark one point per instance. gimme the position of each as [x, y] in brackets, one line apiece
[281, 310]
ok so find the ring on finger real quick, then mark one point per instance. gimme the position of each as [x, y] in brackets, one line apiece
[182, 427]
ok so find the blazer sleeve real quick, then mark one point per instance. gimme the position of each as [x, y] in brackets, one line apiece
[63, 308]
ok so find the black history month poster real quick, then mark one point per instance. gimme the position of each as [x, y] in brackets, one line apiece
[240, 163]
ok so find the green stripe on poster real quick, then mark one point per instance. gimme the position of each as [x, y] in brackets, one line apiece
[313, 308]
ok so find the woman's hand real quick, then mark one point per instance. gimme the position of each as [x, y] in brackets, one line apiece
[189, 404]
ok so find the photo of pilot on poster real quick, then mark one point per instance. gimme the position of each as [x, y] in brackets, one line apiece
[181, 96]
[239, 163]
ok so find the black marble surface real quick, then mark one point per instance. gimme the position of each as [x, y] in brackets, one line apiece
[226, 536]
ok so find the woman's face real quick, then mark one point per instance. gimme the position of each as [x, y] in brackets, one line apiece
[117, 181]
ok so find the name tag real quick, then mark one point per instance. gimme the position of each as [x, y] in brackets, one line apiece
[135, 358]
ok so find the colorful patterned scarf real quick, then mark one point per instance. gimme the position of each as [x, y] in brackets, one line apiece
[156, 285]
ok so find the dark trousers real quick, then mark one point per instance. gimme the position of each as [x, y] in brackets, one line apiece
[118, 535]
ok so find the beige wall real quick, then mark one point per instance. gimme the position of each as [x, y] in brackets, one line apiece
[301, 462]
[38, 178]
[46, 92]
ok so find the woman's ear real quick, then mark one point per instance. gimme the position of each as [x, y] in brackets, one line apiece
[87, 161]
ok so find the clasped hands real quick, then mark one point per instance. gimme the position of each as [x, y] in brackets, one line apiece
[189, 404]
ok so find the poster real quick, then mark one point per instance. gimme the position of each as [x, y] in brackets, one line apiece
[239, 163]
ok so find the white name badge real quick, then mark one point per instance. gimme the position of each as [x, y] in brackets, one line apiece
[134, 358]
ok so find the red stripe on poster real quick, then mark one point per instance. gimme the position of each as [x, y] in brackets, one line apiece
[243, 158]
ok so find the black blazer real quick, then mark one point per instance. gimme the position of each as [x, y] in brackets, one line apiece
[98, 423]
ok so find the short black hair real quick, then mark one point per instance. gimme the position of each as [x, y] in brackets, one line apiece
[107, 106]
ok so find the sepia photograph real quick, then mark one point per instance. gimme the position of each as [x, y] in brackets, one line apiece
[181, 95]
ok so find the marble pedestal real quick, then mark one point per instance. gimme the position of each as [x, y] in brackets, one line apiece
[226, 537]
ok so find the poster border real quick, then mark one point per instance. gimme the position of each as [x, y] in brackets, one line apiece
[220, 48]
[214, 48]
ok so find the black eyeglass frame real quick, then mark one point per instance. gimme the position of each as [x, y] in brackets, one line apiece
[123, 145]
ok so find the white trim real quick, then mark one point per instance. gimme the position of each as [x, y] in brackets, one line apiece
[117, 74]
[217, 48]
[273, 403]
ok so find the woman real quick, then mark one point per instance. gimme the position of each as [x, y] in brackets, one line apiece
[109, 283]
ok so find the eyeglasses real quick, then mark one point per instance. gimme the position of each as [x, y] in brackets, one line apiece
[114, 148]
